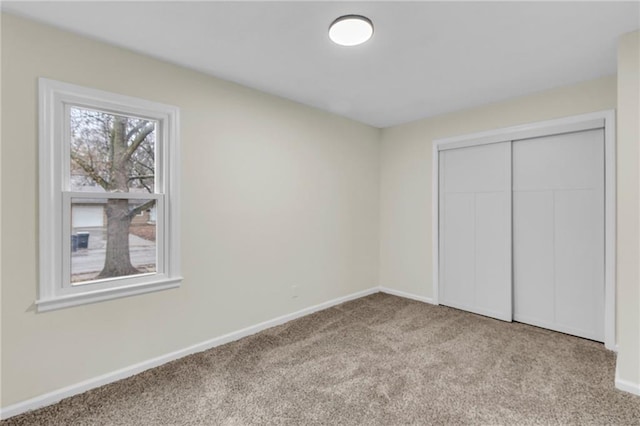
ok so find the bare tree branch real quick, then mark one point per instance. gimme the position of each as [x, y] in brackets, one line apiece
[141, 164]
[141, 208]
[141, 177]
[140, 180]
[89, 170]
[137, 128]
[140, 137]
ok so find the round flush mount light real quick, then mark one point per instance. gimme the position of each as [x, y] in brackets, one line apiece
[350, 30]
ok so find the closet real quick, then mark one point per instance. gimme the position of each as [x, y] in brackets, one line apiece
[521, 228]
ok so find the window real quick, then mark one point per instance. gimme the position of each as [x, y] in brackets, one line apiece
[108, 196]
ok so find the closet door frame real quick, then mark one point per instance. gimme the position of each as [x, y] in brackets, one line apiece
[596, 120]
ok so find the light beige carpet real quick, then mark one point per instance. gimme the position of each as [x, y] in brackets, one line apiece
[380, 360]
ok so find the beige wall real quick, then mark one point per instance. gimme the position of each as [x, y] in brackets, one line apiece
[628, 213]
[274, 194]
[405, 192]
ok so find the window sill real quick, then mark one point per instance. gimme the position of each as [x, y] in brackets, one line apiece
[62, 302]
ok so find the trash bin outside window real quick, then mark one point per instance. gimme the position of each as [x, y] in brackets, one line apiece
[83, 240]
[74, 243]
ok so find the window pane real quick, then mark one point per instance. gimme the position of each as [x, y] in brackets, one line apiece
[112, 238]
[111, 153]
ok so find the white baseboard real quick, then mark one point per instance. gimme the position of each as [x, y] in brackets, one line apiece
[406, 295]
[57, 395]
[627, 386]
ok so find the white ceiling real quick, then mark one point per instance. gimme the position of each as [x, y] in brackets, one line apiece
[425, 58]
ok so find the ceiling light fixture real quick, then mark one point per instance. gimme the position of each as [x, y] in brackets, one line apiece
[350, 30]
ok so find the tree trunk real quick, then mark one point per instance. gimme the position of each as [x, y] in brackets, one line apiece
[117, 261]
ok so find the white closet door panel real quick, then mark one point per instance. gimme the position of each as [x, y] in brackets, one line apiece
[493, 246]
[459, 249]
[534, 260]
[579, 248]
[475, 229]
[558, 184]
[567, 161]
[476, 169]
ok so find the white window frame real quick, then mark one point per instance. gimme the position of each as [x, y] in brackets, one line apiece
[55, 291]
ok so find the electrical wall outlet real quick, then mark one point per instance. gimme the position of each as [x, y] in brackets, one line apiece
[294, 292]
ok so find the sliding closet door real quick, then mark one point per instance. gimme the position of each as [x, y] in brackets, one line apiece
[475, 229]
[558, 232]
